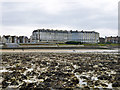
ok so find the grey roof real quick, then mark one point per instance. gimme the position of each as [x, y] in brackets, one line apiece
[63, 31]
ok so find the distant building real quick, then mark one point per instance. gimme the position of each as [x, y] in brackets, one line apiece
[101, 40]
[6, 39]
[112, 39]
[9, 39]
[14, 39]
[23, 39]
[0, 39]
[64, 36]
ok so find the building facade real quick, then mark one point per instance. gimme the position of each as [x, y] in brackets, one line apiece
[7, 39]
[101, 40]
[112, 39]
[0, 39]
[23, 39]
[14, 39]
[64, 36]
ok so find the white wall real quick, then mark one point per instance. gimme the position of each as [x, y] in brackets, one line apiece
[87, 37]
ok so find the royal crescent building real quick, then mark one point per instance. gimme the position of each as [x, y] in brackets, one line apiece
[48, 35]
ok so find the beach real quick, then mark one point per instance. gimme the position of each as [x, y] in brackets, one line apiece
[60, 69]
[62, 50]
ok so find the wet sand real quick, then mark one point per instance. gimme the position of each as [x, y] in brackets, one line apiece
[59, 50]
[60, 70]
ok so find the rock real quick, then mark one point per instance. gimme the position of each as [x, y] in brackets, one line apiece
[104, 77]
[75, 80]
[116, 84]
[40, 86]
[14, 83]
[23, 85]
[84, 77]
[31, 85]
[48, 80]
[96, 83]
[4, 84]
[69, 89]
[117, 78]
[47, 84]
[104, 85]
[23, 76]
[48, 74]
[78, 70]
[87, 88]
[40, 77]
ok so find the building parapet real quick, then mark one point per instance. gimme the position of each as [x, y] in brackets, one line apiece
[63, 31]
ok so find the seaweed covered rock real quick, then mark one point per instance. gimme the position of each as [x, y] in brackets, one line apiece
[116, 84]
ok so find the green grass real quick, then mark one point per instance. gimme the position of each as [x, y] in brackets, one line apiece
[90, 44]
[67, 44]
[115, 44]
[101, 44]
[77, 44]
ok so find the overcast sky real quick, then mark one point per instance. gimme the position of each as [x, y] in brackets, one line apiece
[21, 18]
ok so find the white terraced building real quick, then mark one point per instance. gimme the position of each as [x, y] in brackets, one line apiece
[48, 35]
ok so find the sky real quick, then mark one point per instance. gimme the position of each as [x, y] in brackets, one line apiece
[21, 18]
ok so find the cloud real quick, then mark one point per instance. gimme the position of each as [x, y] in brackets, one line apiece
[27, 31]
[95, 15]
[17, 30]
[107, 32]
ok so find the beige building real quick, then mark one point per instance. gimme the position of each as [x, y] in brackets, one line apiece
[112, 39]
[64, 36]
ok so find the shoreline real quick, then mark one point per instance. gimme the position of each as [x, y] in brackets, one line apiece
[62, 50]
[58, 47]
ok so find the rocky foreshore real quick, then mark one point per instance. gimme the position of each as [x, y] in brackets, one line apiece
[59, 71]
